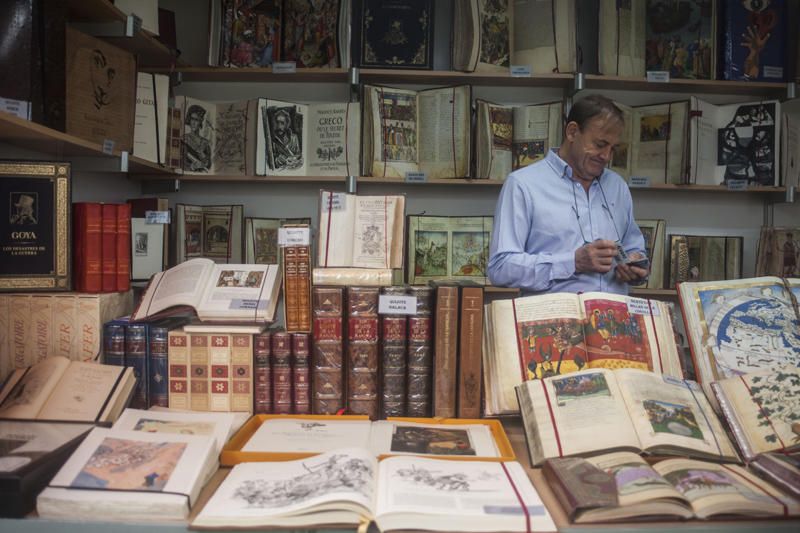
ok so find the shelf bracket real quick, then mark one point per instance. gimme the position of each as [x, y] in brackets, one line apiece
[791, 90]
[578, 83]
[354, 81]
[123, 28]
[351, 184]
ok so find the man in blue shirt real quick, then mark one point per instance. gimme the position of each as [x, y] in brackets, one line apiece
[557, 222]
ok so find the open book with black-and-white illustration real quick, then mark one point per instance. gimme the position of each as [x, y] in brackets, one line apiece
[349, 486]
[225, 293]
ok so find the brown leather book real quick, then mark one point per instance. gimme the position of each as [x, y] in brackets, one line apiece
[301, 402]
[282, 372]
[289, 259]
[420, 354]
[297, 288]
[394, 335]
[263, 374]
[327, 392]
[469, 353]
[362, 351]
[445, 351]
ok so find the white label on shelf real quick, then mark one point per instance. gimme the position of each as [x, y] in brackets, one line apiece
[389, 304]
[294, 236]
[640, 182]
[737, 185]
[156, 217]
[18, 108]
[108, 147]
[123, 161]
[520, 71]
[133, 26]
[658, 76]
[334, 201]
[284, 67]
[248, 303]
[773, 72]
[640, 306]
[416, 177]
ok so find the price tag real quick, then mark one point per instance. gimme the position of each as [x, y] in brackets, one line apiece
[284, 67]
[18, 108]
[773, 72]
[736, 185]
[640, 306]
[248, 303]
[108, 147]
[123, 161]
[520, 71]
[397, 305]
[294, 236]
[334, 201]
[658, 76]
[133, 25]
[640, 182]
[416, 177]
[156, 217]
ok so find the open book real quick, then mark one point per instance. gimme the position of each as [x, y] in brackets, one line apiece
[544, 36]
[548, 335]
[512, 137]
[740, 326]
[59, 389]
[671, 489]
[416, 131]
[571, 415]
[348, 485]
[225, 293]
[621, 44]
[482, 35]
[762, 409]
[360, 231]
[210, 231]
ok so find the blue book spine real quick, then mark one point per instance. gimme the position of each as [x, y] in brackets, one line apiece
[114, 342]
[753, 40]
[157, 356]
[136, 357]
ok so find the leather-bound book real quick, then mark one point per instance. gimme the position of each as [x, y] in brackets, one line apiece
[420, 354]
[87, 246]
[178, 360]
[219, 377]
[469, 353]
[327, 392]
[157, 358]
[109, 247]
[362, 351]
[290, 280]
[242, 373]
[282, 372]
[393, 360]
[262, 348]
[136, 357]
[301, 358]
[445, 350]
[123, 247]
[303, 289]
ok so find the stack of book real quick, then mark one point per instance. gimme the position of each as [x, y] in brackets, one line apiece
[101, 247]
[282, 373]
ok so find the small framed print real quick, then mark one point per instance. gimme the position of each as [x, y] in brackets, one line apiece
[147, 249]
[35, 226]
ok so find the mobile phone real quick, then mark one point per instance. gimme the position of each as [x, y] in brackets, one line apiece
[641, 263]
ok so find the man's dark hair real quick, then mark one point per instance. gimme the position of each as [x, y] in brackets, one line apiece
[592, 106]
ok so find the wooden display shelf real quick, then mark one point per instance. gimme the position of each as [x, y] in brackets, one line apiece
[149, 50]
[707, 188]
[677, 85]
[316, 179]
[257, 74]
[454, 77]
[434, 181]
[33, 136]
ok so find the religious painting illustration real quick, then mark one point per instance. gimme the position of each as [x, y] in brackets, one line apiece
[399, 125]
[470, 253]
[502, 122]
[430, 253]
[551, 347]
[439, 441]
[250, 33]
[310, 34]
[704, 258]
[494, 32]
[654, 128]
[581, 387]
[616, 338]
[679, 38]
[666, 417]
[524, 153]
[266, 246]
[216, 229]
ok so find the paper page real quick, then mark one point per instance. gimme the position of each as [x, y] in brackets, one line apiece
[285, 435]
[180, 285]
[334, 137]
[703, 143]
[499, 121]
[409, 438]
[395, 131]
[337, 216]
[217, 425]
[199, 134]
[30, 393]
[283, 132]
[621, 41]
[238, 291]
[25, 442]
[636, 480]
[622, 154]
[748, 142]
[543, 40]
[373, 232]
[150, 132]
[537, 128]
[659, 139]
[790, 151]
[229, 152]
[444, 136]
[81, 392]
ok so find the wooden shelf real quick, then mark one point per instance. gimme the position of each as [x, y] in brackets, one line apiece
[257, 74]
[450, 77]
[676, 85]
[33, 136]
[469, 182]
[707, 188]
[317, 179]
[149, 50]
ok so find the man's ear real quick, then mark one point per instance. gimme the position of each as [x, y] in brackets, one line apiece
[570, 130]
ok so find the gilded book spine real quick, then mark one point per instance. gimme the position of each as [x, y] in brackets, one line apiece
[136, 357]
[114, 343]
[19, 317]
[64, 335]
[88, 325]
[219, 358]
[300, 373]
[362, 351]
[263, 374]
[469, 364]
[109, 248]
[420, 354]
[393, 352]
[444, 355]
[282, 372]
[41, 326]
[198, 357]
[327, 392]
[242, 373]
[178, 357]
[304, 289]
[157, 359]
[290, 287]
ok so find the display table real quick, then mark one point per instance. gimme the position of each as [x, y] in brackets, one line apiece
[513, 427]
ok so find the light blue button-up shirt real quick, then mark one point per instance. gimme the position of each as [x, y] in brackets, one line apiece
[543, 216]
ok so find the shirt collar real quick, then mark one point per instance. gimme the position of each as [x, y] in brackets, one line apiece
[561, 168]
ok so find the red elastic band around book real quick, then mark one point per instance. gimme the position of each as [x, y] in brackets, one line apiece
[655, 332]
[340, 412]
[552, 419]
[519, 498]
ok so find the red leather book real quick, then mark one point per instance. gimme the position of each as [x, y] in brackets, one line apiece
[87, 238]
[263, 378]
[327, 394]
[282, 372]
[109, 248]
[123, 247]
[301, 357]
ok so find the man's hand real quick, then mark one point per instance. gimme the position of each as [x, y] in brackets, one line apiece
[597, 256]
[632, 274]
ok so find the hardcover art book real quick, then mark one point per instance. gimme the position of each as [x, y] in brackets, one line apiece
[763, 410]
[455, 248]
[620, 46]
[741, 326]
[349, 486]
[671, 489]
[224, 293]
[316, 33]
[569, 415]
[245, 33]
[535, 337]
[780, 469]
[778, 252]
[130, 476]
[393, 33]
[754, 43]
[209, 231]
[681, 38]
[59, 389]
[704, 258]
[654, 232]
[482, 35]
[424, 131]
[511, 137]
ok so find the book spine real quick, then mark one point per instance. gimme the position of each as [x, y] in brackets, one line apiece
[282, 372]
[114, 344]
[178, 359]
[5, 349]
[123, 247]
[327, 393]
[469, 353]
[242, 373]
[263, 374]
[362, 351]
[219, 358]
[175, 138]
[109, 248]
[64, 331]
[301, 356]
[136, 357]
[290, 296]
[41, 326]
[445, 352]
[420, 355]
[20, 319]
[198, 379]
[394, 368]
[87, 247]
[89, 327]
[304, 289]
[157, 355]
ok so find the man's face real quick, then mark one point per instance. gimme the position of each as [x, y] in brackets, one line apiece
[280, 123]
[591, 149]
